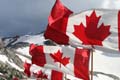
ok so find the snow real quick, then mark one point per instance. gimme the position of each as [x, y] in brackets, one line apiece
[36, 39]
[4, 59]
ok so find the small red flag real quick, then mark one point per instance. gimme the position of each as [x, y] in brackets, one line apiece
[57, 22]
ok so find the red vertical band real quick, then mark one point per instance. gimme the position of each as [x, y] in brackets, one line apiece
[38, 55]
[27, 69]
[81, 63]
[57, 23]
[119, 30]
[55, 75]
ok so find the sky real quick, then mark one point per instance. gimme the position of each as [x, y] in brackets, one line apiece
[20, 17]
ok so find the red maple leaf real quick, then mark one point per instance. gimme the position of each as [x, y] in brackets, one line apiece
[58, 58]
[40, 74]
[91, 34]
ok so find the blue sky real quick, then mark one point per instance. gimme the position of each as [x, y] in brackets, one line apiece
[19, 17]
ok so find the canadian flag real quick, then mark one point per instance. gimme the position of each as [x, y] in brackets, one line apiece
[69, 60]
[36, 72]
[99, 27]
[95, 27]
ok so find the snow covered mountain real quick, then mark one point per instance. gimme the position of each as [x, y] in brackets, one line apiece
[14, 52]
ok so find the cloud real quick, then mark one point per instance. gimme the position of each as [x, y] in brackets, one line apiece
[30, 16]
[23, 16]
[79, 5]
[111, 4]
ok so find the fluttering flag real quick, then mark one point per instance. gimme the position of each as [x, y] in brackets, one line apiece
[69, 60]
[98, 27]
[106, 65]
[57, 23]
[37, 72]
[27, 69]
[95, 27]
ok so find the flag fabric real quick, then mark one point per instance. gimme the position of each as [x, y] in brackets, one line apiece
[58, 11]
[57, 23]
[98, 27]
[95, 27]
[106, 65]
[27, 69]
[69, 60]
[36, 72]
